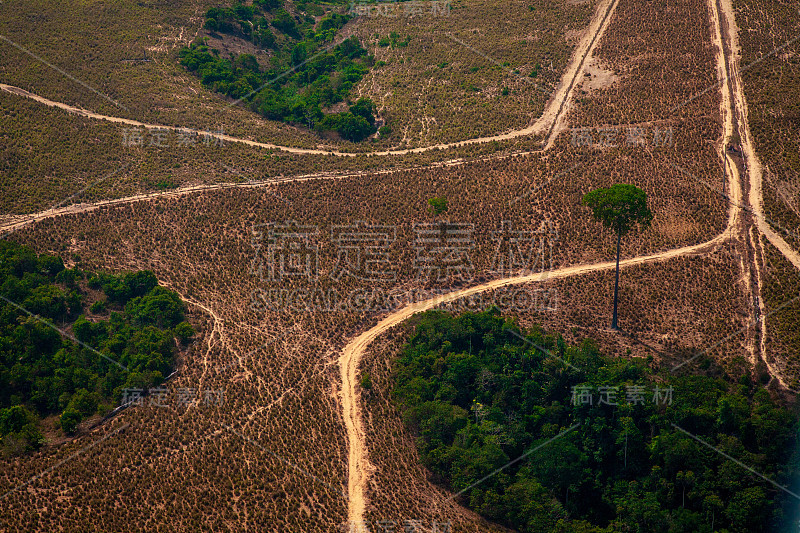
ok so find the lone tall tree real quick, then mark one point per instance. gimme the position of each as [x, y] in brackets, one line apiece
[619, 208]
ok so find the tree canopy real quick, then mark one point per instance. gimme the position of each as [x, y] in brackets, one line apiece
[619, 207]
[437, 205]
[305, 74]
[126, 341]
[479, 393]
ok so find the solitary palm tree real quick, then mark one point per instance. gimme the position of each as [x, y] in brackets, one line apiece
[619, 207]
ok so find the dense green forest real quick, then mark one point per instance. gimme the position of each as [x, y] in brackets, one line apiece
[610, 446]
[127, 340]
[306, 73]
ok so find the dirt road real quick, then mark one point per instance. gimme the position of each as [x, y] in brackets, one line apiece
[355, 349]
[735, 108]
[15, 222]
[754, 170]
[552, 121]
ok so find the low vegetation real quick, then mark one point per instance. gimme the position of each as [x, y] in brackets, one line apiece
[442, 74]
[782, 300]
[672, 44]
[770, 67]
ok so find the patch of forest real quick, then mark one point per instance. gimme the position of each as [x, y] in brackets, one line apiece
[308, 70]
[541, 436]
[71, 341]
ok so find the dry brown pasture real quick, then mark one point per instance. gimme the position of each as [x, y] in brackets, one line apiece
[447, 83]
[662, 54]
[195, 464]
[52, 158]
[782, 299]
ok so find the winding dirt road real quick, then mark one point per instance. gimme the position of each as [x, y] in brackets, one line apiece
[358, 461]
[552, 122]
[734, 107]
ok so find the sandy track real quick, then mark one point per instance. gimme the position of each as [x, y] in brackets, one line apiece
[738, 105]
[18, 222]
[15, 222]
[89, 114]
[556, 118]
[551, 121]
[754, 171]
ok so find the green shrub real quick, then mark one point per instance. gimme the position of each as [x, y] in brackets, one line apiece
[69, 421]
[184, 331]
